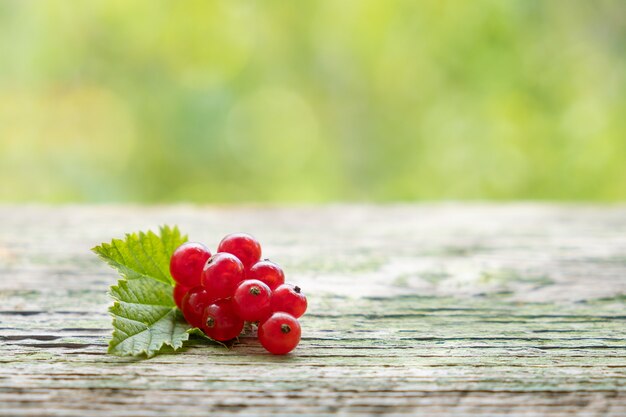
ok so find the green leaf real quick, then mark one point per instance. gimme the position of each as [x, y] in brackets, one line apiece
[145, 317]
[143, 255]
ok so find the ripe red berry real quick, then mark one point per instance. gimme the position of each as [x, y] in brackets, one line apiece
[280, 334]
[222, 273]
[268, 272]
[221, 322]
[194, 303]
[179, 293]
[187, 262]
[252, 300]
[289, 299]
[243, 246]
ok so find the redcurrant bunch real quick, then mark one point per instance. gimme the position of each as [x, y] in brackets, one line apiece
[219, 293]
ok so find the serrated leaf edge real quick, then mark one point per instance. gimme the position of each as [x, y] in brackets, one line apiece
[116, 303]
[145, 352]
[120, 268]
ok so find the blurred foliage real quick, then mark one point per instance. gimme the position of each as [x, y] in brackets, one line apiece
[308, 101]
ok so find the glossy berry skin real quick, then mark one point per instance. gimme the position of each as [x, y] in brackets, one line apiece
[252, 300]
[289, 299]
[268, 272]
[222, 273]
[221, 322]
[187, 263]
[280, 333]
[194, 303]
[179, 293]
[243, 246]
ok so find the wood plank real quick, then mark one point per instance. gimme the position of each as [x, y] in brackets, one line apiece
[441, 309]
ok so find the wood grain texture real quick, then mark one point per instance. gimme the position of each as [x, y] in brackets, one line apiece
[414, 309]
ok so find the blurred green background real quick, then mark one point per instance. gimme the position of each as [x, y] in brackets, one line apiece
[312, 101]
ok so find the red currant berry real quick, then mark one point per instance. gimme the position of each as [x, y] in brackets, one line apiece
[289, 299]
[179, 293]
[252, 300]
[187, 262]
[221, 322]
[280, 334]
[194, 303]
[268, 272]
[243, 246]
[222, 273]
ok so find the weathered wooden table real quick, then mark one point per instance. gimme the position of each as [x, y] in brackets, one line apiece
[413, 309]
